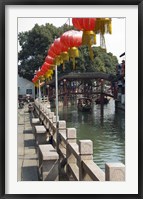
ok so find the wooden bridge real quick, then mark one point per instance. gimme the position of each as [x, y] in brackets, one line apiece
[85, 76]
[77, 83]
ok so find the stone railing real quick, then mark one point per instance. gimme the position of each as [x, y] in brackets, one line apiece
[75, 157]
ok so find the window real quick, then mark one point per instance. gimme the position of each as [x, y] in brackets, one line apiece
[28, 91]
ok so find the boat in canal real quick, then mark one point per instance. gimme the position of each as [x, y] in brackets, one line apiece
[105, 100]
[84, 104]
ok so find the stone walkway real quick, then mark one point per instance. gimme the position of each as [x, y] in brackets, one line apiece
[27, 157]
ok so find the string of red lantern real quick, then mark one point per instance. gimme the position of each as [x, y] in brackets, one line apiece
[67, 45]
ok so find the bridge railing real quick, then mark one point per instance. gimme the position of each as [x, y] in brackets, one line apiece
[76, 157]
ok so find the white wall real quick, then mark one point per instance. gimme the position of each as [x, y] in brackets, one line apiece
[24, 84]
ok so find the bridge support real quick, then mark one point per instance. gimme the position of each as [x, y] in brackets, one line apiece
[65, 93]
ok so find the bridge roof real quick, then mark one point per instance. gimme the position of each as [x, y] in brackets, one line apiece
[84, 76]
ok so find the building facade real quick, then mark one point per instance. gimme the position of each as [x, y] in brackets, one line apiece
[25, 87]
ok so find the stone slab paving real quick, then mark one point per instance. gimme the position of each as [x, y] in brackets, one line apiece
[27, 157]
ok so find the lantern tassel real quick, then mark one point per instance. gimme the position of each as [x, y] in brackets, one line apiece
[73, 53]
[89, 38]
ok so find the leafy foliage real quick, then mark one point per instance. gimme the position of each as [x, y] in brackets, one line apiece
[103, 61]
[36, 42]
[34, 46]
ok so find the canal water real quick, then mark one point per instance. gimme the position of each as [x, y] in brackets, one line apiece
[105, 128]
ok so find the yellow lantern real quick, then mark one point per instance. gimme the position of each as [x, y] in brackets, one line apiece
[49, 74]
[58, 60]
[42, 78]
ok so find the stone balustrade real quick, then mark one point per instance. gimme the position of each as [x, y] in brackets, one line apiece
[75, 157]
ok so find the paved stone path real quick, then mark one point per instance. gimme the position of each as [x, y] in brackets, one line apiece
[27, 157]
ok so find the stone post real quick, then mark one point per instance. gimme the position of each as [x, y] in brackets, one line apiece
[48, 106]
[54, 120]
[48, 111]
[62, 125]
[42, 112]
[60, 145]
[35, 122]
[114, 172]
[71, 159]
[61, 129]
[51, 114]
[71, 138]
[71, 135]
[48, 163]
[40, 134]
[86, 153]
[54, 130]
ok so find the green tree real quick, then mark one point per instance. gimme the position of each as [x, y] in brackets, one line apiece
[103, 61]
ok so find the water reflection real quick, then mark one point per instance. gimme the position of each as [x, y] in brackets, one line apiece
[104, 127]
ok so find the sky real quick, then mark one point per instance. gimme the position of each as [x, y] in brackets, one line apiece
[115, 43]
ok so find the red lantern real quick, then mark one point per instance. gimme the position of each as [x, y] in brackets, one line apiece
[72, 39]
[45, 66]
[51, 51]
[87, 25]
[55, 51]
[35, 78]
[62, 51]
[49, 60]
[43, 69]
[38, 74]
[57, 48]
[64, 48]
[41, 75]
